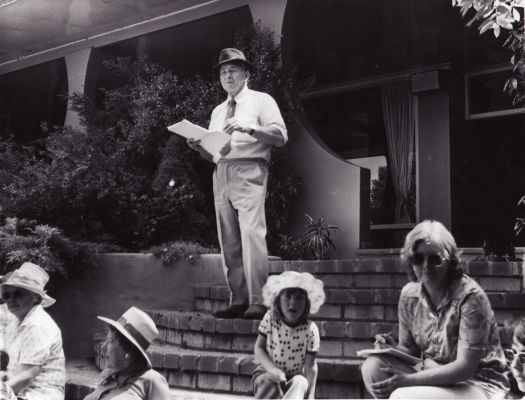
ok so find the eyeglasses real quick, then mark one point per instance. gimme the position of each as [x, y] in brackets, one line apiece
[15, 294]
[432, 259]
[513, 353]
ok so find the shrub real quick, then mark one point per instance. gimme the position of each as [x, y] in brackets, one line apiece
[315, 244]
[180, 250]
[24, 240]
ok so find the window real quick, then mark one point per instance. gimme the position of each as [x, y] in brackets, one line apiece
[484, 95]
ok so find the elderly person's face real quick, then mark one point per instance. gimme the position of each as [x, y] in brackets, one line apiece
[19, 301]
[429, 263]
[233, 77]
[518, 363]
[116, 353]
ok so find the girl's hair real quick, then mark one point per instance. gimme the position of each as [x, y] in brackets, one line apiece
[129, 347]
[430, 231]
[278, 313]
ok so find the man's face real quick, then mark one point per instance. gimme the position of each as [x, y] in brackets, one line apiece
[233, 77]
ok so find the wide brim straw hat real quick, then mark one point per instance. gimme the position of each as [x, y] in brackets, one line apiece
[313, 287]
[232, 55]
[136, 326]
[30, 277]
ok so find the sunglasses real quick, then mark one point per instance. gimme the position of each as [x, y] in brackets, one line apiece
[432, 259]
[15, 294]
[512, 353]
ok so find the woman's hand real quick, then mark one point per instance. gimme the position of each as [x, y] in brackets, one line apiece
[428, 363]
[383, 389]
[384, 340]
[277, 375]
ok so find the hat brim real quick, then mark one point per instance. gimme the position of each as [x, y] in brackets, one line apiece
[313, 287]
[46, 300]
[245, 63]
[125, 333]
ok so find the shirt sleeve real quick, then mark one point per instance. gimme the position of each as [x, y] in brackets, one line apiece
[314, 341]
[405, 315]
[35, 346]
[266, 324]
[475, 322]
[270, 115]
[158, 388]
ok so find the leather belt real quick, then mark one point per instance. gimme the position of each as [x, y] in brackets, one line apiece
[232, 160]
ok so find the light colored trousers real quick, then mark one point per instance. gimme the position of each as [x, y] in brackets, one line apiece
[265, 388]
[239, 189]
[371, 371]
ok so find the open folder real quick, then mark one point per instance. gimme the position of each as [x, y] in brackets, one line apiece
[392, 352]
[211, 141]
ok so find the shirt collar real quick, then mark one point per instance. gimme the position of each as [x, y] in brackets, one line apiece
[30, 315]
[454, 291]
[120, 378]
[239, 97]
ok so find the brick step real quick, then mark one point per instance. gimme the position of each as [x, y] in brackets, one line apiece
[230, 372]
[388, 273]
[82, 376]
[360, 305]
[204, 332]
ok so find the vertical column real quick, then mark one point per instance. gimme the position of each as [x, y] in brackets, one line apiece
[433, 146]
[271, 14]
[77, 67]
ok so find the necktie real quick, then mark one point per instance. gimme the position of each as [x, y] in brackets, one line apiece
[230, 112]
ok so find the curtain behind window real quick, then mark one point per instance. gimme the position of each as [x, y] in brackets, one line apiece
[398, 114]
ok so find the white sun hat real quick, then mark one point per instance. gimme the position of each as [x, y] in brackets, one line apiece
[32, 278]
[136, 326]
[292, 279]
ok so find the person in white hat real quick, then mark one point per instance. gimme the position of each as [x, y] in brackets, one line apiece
[288, 342]
[36, 369]
[240, 178]
[129, 375]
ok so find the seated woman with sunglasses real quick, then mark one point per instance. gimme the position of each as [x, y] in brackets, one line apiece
[36, 369]
[445, 320]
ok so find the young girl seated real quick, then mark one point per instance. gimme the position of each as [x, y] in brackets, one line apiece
[287, 342]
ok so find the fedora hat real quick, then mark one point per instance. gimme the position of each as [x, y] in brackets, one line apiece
[32, 278]
[136, 326]
[313, 287]
[232, 55]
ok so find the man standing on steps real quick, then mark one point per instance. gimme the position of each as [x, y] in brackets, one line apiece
[255, 124]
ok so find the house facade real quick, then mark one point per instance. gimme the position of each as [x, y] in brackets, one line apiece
[401, 114]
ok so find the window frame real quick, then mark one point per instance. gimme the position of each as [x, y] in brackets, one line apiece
[488, 114]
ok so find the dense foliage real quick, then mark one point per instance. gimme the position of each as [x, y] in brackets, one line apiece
[26, 240]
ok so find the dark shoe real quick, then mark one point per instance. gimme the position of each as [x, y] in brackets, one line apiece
[255, 311]
[233, 311]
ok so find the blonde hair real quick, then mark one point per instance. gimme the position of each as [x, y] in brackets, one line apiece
[430, 231]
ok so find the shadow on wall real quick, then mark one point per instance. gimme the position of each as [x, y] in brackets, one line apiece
[123, 280]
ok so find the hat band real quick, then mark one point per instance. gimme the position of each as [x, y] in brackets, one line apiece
[141, 340]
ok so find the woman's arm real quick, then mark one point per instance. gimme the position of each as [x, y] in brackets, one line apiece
[24, 378]
[461, 369]
[264, 359]
[311, 370]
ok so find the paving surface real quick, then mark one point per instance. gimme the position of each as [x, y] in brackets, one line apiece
[83, 372]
